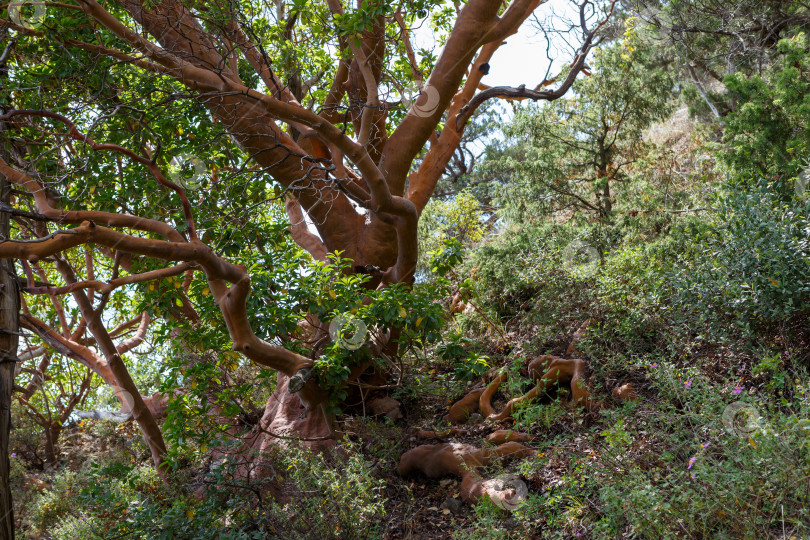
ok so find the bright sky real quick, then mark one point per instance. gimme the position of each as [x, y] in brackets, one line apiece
[522, 59]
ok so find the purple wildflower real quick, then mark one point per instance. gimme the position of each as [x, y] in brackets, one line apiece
[692, 461]
[654, 365]
[688, 383]
[738, 389]
[706, 444]
[14, 454]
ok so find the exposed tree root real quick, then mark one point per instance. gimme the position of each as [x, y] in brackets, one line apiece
[461, 460]
[386, 406]
[464, 460]
[551, 370]
[463, 408]
[485, 401]
[547, 371]
[625, 392]
[507, 435]
[430, 434]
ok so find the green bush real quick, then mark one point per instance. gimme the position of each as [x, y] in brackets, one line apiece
[57, 504]
[750, 280]
[458, 219]
[628, 295]
[695, 469]
[72, 528]
[467, 365]
[323, 496]
[523, 276]
[332, 496]
[766, 133]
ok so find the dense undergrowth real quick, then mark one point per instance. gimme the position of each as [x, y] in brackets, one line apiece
[709, 322]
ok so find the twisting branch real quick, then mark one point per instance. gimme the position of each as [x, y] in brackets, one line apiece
[372, 97]
[406, 40]
[113, 284]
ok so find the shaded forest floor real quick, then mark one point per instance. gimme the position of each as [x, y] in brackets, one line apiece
[674, 463]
